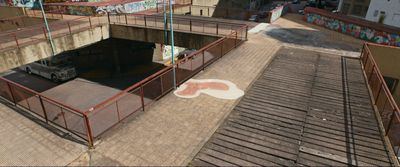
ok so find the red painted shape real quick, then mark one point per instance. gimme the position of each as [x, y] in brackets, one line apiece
[193, 87]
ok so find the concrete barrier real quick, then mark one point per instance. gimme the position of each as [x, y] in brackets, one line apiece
[358, 28]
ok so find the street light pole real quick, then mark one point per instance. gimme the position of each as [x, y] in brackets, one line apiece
[53, 51]
[172, 43]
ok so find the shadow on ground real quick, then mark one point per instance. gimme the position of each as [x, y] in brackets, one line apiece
[307, 38]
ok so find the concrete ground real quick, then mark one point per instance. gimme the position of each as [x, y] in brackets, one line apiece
[173, 129]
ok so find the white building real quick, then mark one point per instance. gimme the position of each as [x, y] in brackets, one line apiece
[384, 11]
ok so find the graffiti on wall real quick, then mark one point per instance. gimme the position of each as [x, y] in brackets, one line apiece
[73, 10]
[127, 8]
[355, 30]
[23, 3]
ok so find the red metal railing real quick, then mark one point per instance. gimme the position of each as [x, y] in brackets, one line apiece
[49, 110]
[110, 112]
[383, 99]
[53, 14]
[33, 34]
[199, 25]
[90, 124]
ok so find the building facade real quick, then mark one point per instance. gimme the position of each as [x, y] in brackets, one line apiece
[384, 11]
[356, 8]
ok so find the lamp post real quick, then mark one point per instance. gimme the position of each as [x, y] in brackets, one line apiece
[53, 51]
[172, 43]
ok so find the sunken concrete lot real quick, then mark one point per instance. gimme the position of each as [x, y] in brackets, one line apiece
[306, 108]
[173, 130]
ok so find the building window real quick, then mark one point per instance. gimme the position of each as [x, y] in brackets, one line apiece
[357, 10]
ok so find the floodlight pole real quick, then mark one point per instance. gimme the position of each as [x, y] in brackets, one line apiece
[53, 51]
[172, 44]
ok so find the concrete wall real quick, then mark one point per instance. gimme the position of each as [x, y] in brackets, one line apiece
[20, 22]
[7, 11]
[391, 9]
[30, 53]
[388, 60]
[182, 39]
[205, 2]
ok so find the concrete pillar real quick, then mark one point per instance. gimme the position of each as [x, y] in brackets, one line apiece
[157, 54]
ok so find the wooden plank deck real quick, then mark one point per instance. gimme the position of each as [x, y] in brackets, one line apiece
[306, 108]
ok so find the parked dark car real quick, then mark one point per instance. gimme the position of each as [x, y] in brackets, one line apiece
[316, 4]
[296, 2]
[262, 14]
[254, 18]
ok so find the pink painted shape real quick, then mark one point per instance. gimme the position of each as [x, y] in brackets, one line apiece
[192, 87]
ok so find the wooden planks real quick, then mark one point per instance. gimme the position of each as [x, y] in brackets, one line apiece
[305, 109]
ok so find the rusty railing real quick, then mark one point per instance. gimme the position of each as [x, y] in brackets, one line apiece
[110, 112]
[37, 33]
[198, 25]
[91, 123]
[49, 110]
[388, 110]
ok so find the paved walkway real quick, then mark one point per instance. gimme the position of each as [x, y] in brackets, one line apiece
[174, 129]
[24, 142]
[171, 131]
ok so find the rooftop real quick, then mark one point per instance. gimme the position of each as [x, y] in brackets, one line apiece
[306, 103]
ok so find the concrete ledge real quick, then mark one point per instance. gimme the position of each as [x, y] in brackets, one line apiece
[154, 35]
[30, 53]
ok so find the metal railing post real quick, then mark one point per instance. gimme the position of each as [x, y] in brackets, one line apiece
[126, 19]
[145, 21]
[88, 131]
[203, 60]
[43, 108]
[16, 40]
[379, 91]
[235, 39]
[190, 25]
[90, 22]
[217, 28]
[69, 28]
[108, 18]
[390, 122]
[247, 28]
[142, 96]
[11, 93]
[44, 32]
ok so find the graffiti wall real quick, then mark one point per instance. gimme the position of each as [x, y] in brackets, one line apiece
[355, 30]
[277, 13]
[23, 3]
[131, 7]
[73, 10]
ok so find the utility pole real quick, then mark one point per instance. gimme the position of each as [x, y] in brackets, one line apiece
[53, 51]
[172, 43]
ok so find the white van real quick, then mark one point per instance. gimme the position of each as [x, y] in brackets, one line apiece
[58, 68]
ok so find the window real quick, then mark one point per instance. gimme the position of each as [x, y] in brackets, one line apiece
[357, 10]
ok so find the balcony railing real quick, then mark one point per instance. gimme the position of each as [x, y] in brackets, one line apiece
[383, 100]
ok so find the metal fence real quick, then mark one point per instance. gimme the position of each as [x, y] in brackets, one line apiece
[50, 111]
[89, 125]
[384, 101]
[198, 25]
[34, 34]
[110, 112]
